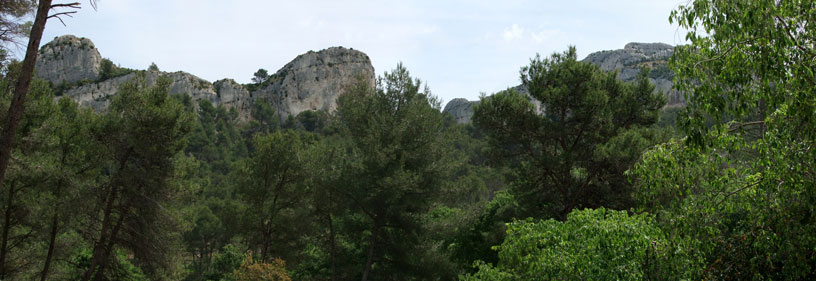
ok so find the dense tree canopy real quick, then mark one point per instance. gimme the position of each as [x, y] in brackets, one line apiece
[740, 186]
[573, 136]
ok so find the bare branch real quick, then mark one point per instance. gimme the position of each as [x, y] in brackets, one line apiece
[745, 124]
[57, 16]
[794, 39]
[74, 5]
[740, 190]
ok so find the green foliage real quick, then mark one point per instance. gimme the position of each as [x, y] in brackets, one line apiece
[590, 245]
[153, 67]
[740, 185]
[271, 184]
[141, 135]
[225, 263]
[481, 231]
[394, 145]
[108, 70]
[260, 76]
[313, 121]
[123, 267]
[572, 138]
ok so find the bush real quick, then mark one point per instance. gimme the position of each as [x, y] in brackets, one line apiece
[253, 271]
[591, 244]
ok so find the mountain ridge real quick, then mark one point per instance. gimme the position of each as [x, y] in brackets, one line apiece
[311, 81]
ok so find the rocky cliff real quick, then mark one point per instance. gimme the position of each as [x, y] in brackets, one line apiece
[627, 61]
[68, 59]
[461, 110]
[634, 57]
[312, 81]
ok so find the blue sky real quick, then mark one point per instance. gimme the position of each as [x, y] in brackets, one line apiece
[460, 48]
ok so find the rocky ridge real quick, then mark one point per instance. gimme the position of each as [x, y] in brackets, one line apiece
[312, 81]
[627, 61]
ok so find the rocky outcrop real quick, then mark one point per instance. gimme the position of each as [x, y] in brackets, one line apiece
[633, 57]
[627, 61]
[233, 95]
[460, 109]
[98, 95]
[314, 80]
[68, 59]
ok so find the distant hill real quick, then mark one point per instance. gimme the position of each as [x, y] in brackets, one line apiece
[627, 61]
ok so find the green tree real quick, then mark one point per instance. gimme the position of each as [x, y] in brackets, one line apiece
[572, 138]
[153, 67]
[741, 184]
[26, 74]
[394, 164]
[142, 133]
[13, 26]
[591, 244]
[19, 198]
[260, 76]
[71, 173]
[271, 183]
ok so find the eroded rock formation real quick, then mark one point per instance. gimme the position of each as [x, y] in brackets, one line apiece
[312, 81]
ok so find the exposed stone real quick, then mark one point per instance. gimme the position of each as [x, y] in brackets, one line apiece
[314, 81]
[233, 95]
[633, 57]
[627, 61]
[98, 95]
[460, 109]
[68, 59]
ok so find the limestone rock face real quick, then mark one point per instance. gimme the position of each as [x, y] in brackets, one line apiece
[233, 95]
[68, 59]
[314, 81]
[634, 56]
[460, 109]
[98, 95]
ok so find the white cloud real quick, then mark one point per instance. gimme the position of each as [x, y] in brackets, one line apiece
[544, 35]
[514, 32]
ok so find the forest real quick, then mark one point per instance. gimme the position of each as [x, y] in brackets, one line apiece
[585, 177]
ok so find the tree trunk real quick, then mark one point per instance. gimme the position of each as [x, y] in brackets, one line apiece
[51, 244]
[109, 247]
[6, 228]
[332, 247]
[98, 250]
[17, 107]
[15, 111]
[264, 244]
[370, 259]
[99, 245]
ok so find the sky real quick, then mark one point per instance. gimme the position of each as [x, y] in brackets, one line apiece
[460, 48]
